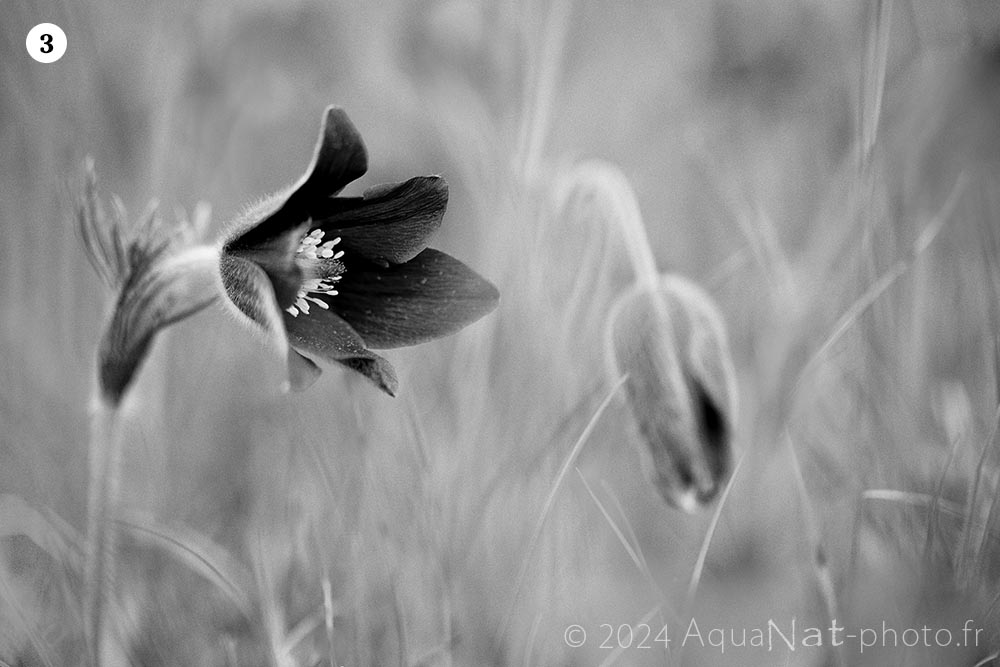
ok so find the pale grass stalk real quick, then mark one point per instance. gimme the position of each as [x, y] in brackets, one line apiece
[431, 516]
[699, 563]
[635, 553]
[854, 553]
[821, 567]
[753, 221]
[726, 269]
[988, 522]
[913, 499]
[932, 515]
[872, 294]
[629, 531]
[440, 654]
[397, 607]
[532, 638]
[626, 544]
[926, 500]
[103, 489]
[992, 607]
[271, 613]
[581, 302]
[447, 623]
[22, 624]
[538, 109]
[230, 647]
[328, 616]
[967, 553]
[988, 659]
[550, 501]
[513, 460]
[619, 650]
[197, 553]
[47, 530]
[873, 79]
[300, 633]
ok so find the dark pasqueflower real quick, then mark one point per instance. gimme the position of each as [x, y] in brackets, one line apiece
[336, 277]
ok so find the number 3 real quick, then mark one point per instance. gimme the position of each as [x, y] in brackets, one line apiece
[52, 46]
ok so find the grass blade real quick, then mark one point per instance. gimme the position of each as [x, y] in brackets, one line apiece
[199, 554]
[876, 290]
[550, 500]
[699, 563]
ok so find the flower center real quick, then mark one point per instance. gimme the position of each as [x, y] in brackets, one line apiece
[321, 270]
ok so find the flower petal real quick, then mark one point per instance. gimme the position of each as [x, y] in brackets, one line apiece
[379, 371]
[339, 158]
[276, 256]
[431, 296]
[324, 334]
[390, 223]
[250, 291]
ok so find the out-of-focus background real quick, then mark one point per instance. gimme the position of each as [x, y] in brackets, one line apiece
[826, 170]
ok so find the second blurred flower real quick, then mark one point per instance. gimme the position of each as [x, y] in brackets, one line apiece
[671, 344]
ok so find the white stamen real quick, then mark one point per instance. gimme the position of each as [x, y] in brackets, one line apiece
[318, 261]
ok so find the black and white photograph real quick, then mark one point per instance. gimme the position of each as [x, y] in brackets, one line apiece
[536, 333]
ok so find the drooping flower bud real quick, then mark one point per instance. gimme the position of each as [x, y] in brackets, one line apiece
[670, 342]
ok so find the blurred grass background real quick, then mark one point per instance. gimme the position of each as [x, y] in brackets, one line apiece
[786, 154]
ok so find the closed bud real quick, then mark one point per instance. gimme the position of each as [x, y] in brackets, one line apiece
[670, 343]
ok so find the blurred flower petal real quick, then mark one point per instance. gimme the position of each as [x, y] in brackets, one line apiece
[430, 296]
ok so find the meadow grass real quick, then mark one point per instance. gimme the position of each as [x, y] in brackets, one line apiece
[826, 171]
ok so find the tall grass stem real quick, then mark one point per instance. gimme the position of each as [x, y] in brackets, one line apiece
[538, 107]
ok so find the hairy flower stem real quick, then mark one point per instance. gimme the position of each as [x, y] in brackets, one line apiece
[603, 185]
[636, 240]
[104, 483]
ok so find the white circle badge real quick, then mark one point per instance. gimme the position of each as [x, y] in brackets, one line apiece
[46, 42]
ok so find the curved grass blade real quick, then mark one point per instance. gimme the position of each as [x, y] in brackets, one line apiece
[199, 554]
